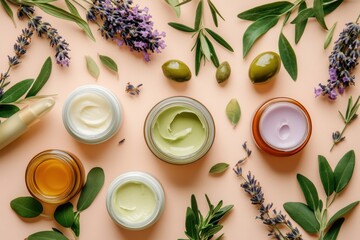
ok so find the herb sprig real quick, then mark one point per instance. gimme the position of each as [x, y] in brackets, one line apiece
[200, 227]
[204, 49]
[312, 216]
[266, 16]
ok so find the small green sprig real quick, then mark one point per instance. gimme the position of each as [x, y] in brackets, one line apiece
[65, 215]
[204, 49]
[350, 115]
[200, 227]
[313, 215]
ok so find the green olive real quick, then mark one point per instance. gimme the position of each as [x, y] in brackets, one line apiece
[264, 67]
[176, 70]
[223, 72]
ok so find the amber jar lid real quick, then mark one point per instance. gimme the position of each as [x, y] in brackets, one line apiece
[281, 127]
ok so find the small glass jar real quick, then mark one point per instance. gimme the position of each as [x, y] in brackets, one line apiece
[179, 130]
[281, 127]
[92, 114]
[54, 176]
[135, 200]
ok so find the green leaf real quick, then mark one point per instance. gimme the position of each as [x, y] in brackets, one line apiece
[92, 67]
[211, 231]
[205, 47]
[220, 214]
[256, 30]
[198, 16]
[174, 6]
[26, 207]
[331, 5]
[181, 27]
[303, 15]
[214, 13]
[47, 235]
[300, 26]
[190, 223]
[303, 215]
[194, 207]
[41, 79]
[76, 225]
[329, 36]
[16, 91]
[219, 39]
[62, 14]
[326, 175]
[348, 110]
[319, 13]
[109, 63]
[183, 3]
[94, 182]
[198, 56]
[8, 10]
[288, 56]
[310, 192]
[333, 232]
[219, 168]
[341, 213]
[344, 171]
[269, 9]
[233, 111]
[7, 110]
[64, 214]
[72, 8]
[213, 55]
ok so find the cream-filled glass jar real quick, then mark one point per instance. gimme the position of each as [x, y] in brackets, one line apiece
[179, 130]
[92, 114]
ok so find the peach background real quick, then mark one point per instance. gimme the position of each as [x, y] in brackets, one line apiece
[276, 175]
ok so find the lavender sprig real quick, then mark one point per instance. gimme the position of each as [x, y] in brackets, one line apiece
[133, 90]
[342, 61]
[127, 24]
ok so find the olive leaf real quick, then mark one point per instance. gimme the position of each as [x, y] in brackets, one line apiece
[303, 215]
[326, 175]
[329, 36]
[8, 10]
[205, 46]
[319, 13]
[181, 27]
[330, 5]
[334, 230]
[94, 182]
[344, 171]
[256, 30]
[219, 39]
[47, 235]
[310, 192]
[300, 26]
[26, 207]
[341, 213]
[198, 56]
[233, 111]
[16, 91]
[174, 5]
[109, 63]
[214, 13]
[72, 8]
[270, 9]
[64, 214]
[41, 79]
[7, 110]
[198, 16]
[76, 225]
[303, 15]
[219, 168]
[288, 56]
[213, 56]
[92, 67]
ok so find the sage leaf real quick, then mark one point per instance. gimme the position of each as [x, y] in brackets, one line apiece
[319, 13]
[195, 209]
[7, 110]
[310, 192]
[92, 67]
[181, 27]
[174, 6]
[334, 230]
[8, 10]
[329, 36]
[256, 30]
[64, 215]
[330, 5]
[205, 47]
[72, 8]
[109, 63]
[190, 223]
[219, 168]
[41, 79]
[26, 207]
[47, 235]
[303, 15]
[219, 39]
[198, 56]
[341, 213]
[344, 171]
[288, 56]
[198, 16]
[326, 175]
[233, 111]
[16, 91]
[273, 9]
[76, 225]
[300, 26]
[94, 182]
[213, 55]
[303, 215]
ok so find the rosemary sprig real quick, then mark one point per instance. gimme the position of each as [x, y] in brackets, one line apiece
[350, 115]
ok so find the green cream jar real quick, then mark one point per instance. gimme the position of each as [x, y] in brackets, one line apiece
[179, 130]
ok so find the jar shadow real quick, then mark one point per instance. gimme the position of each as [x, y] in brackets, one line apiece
[282, 164]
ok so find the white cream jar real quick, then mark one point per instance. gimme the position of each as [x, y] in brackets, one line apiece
[92, 114]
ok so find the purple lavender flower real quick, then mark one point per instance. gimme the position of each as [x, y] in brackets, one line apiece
[127, 24]
[342, 61]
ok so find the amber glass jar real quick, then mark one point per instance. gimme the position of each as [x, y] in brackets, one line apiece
[54, 176]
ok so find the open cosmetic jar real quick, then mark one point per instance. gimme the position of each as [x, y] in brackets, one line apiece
[135, 200]
[54, 176]
[281, 127]
[179, 130]
[92, 114]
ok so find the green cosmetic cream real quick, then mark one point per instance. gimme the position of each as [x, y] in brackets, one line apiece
[179, 131]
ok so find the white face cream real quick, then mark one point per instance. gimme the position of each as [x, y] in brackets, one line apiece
[92, 114]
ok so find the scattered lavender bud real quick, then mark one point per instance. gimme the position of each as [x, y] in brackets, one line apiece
[132, 90]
